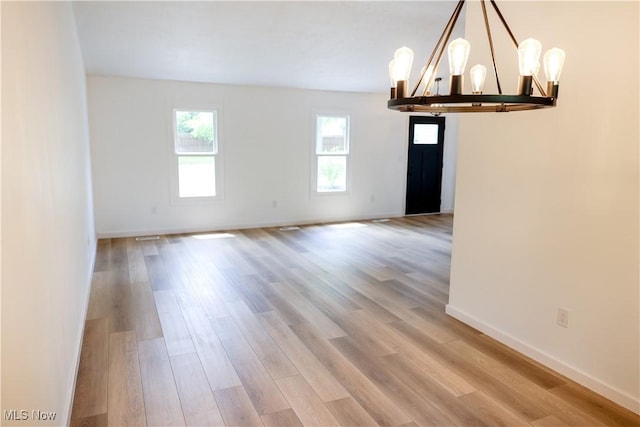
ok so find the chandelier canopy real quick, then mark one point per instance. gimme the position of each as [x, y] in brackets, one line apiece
[422, 98]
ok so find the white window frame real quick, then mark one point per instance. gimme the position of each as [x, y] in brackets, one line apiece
[218, 158]
[316, 155]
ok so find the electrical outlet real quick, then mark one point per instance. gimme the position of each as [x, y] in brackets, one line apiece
[563, 317]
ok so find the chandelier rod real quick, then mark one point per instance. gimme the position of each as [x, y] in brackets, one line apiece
[515, 42]
[444, 44]
[493, 57]
[446, 32]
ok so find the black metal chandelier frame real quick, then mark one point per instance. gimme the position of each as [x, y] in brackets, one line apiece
[461, 103]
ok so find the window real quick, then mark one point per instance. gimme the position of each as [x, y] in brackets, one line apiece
[196, 152]
[332, 153]
[426, 134]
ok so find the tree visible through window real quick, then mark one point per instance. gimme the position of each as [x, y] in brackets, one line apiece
[196, 147]
[332, 150]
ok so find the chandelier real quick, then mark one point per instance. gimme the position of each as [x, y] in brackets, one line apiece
[422, 98]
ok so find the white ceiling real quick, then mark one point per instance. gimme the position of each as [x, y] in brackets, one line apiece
[303, 44]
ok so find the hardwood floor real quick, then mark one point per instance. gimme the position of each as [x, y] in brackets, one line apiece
[326, 325]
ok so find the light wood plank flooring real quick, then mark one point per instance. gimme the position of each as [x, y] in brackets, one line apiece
[326, 325]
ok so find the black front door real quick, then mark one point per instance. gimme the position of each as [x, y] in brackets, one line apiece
[424, 166]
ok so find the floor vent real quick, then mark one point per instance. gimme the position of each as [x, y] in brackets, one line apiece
[381, 220]
[291, 228]
[145, 238]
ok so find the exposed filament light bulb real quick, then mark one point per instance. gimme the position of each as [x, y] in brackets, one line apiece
[478, 75]
[528, 55]
[392, 72]
[402, 62]
[426, 79]
[458, 55]
[392, 78]
[403, 58]
[528, 64]
[553, 62]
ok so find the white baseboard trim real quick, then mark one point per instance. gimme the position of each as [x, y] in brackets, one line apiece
[226, 227]
[540, 356]
[72, 387]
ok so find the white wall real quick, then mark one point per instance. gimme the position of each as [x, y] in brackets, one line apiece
[266, 139]
[450, 162]
[48, 237]
[547, 203]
